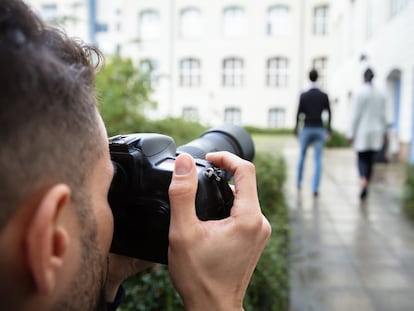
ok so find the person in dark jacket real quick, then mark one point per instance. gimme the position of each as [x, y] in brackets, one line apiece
[312, 104]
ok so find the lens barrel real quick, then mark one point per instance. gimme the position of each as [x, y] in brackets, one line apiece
[227, 137]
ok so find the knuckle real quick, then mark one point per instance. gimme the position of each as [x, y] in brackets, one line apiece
[267, 228]
[257, 226]
[253, 225]
[178, 240]
[248, 167]
[174, 237]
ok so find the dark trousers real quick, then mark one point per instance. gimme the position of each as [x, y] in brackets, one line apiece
[366, 161]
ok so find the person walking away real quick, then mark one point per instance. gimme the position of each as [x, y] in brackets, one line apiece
[368, 126]
[312, 104]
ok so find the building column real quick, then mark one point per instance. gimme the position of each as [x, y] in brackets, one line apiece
[92, 21]
[411, 156]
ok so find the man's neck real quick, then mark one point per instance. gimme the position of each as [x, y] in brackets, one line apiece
[314, 85]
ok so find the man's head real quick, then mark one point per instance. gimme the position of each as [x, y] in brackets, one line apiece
[55, 222]
[368, 75]
[313, 75]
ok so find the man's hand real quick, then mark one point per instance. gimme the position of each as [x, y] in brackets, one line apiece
[211, 262]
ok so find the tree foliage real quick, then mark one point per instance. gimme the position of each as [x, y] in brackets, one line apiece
[123, 92]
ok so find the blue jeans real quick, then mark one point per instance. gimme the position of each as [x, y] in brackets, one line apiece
[311, 136]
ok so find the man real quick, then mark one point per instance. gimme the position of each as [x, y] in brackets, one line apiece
[55, 222]
[312, 103]
[368, 127]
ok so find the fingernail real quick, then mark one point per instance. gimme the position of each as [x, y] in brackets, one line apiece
[183, 165]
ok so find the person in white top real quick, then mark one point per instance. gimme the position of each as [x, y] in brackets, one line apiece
[368, 127]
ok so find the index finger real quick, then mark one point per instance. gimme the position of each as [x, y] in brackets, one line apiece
[244, 173]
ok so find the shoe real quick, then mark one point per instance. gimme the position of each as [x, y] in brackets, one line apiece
[364, 193]
[315, 194]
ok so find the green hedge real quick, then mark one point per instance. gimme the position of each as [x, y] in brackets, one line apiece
[268, 130]
[269, 288]
[338, 140]
[408, 205]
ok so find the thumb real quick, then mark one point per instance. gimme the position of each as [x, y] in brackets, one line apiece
[182, 191]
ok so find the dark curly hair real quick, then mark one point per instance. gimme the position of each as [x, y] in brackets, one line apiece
[48, 109]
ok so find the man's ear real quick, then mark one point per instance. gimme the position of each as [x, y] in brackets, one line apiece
[46, 241]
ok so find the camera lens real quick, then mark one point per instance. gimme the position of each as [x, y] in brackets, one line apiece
[227, 137]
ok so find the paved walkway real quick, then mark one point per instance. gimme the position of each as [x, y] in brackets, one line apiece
[344, 255]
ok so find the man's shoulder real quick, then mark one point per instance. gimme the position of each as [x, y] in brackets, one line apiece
[314, 91]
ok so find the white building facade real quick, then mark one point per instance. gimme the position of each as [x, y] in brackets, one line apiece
[215, 61]
[377, 34]
[246, 62]
[241, 62]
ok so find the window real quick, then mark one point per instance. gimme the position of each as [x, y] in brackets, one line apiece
[232, 72]
[321, 64]
[276, 118]
[118, 26]
[149, 25]
[190, 72]
[277, 72]
[232, 116]
[397, 6]
[190, 23]
[190, 113]
[320, 20]
[149, 67]
[49, 12]
[234, 22]
[118, 18]
[278, 20]
[118, 49]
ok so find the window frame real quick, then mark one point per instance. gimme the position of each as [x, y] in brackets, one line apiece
[190, 113]
[321, 20]
[190, 72]
[232, 115]
[275, 24]
[150, 67]
[195, 32]
[321, 65]
[276, 117]
[234, 22]
[277, 72]
[155, 27]
[233, 72]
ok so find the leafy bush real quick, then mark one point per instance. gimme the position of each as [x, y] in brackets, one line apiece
[409, 193]
[269, 287]
[269, 131]
[151, 291]
[338, 140]
[181, 130]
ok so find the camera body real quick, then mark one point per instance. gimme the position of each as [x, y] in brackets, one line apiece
[144, 163]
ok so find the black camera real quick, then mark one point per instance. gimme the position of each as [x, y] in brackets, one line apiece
[138, 195]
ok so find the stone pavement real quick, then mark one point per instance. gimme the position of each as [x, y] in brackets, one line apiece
[346, 255]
